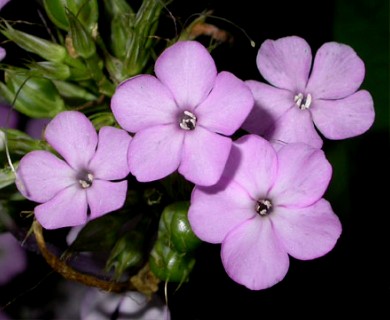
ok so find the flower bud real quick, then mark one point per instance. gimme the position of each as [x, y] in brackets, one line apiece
[170, 265]
[86, 11]
[50, 70]
[32, 96]
[44, 48]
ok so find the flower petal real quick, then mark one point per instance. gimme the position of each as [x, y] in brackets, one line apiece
[98, 201]
[344, 118]
[67, 209]
[188, 70]
[155, 152]
[270, 104]
[303, 176]
[3, 53]
[294, 126]
[309, 232]
[253, 164]
[337, 72]
[253, 256]
[110, 159]
[141, 102]
[227, 106]
[41, 175]
[72, 134]
[204, 156]
[216, 210]
[285, 62]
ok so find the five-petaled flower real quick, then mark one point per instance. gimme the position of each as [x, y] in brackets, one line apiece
[268, 205]
[286, 111]
[79, 186]
[182, 117]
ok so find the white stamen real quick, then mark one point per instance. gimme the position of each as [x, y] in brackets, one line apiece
[263, 207]
[87, 181]
[188, 121]
[303, 102]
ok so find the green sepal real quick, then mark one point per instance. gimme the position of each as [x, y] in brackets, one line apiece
[42, 47]
[170, 265]
[49, 69]
[87, 12]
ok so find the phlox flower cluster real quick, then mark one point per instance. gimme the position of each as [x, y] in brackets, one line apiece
[259, 195]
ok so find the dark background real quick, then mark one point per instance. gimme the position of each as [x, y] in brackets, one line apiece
[353, 279]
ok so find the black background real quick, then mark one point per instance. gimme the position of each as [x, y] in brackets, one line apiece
[353, 279]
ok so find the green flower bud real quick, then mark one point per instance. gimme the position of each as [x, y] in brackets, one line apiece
[44, 48]
[86, 11]
[170, 265]
[32, 96]
[102, 119]
[126, 253]
[174, 223]
[50, 70]
[73, 91]
[82, 40]
[20, 143]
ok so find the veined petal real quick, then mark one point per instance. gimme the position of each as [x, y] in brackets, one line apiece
[72, 134]
[337, 72]
[285, 63]
[67, 209]
[188, 70]
[253, 256]
[227, 106]
[270, 104]
[106, 196]
[204, 156]
[294, 126]
[155, 152]
[253, 164]
[41, 175]
[141, 102]
[307, 233]
[216, 210]
[303, 176]
[344, 118]
[110, 160]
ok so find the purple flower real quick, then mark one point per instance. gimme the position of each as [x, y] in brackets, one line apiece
[78, 187]
[13, 259]
[3, 53]
[182, 117]
[324, 93]
[267, 206]
[3, 3]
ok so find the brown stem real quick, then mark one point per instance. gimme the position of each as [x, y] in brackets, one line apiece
[144, 282]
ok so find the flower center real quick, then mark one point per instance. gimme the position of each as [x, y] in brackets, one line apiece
[303, 102]
[85, 179]
[187, 121]
[263, 207]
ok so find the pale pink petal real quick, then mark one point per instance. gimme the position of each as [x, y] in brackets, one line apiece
[67, 209]
[41, 175]
[309, 232]
[270, 104]
[72, 134]
[106, 196]
[294, 126]
[204, 156]
[253, 255]
[155, 153]
[188, 70]
[303, 176]
[337, 72]
[3, 53]
[216, 210]
[3, 3]
[285, 63]
[344, 118]
[253, 164]
[227, 106]
[110, 160]
[141, 102]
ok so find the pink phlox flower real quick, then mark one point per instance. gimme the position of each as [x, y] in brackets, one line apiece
[183, 116]
[268, 205]
[13, 258]
[82, 185]
[303, 97]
